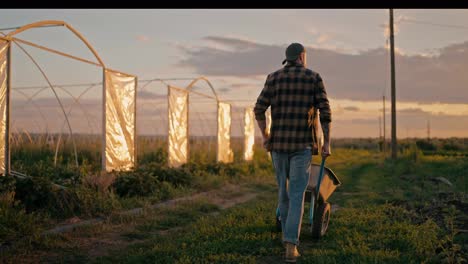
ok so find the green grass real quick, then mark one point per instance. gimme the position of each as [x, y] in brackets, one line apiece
[236, 234]
[246, 234]
[381, 220]
[390, 212]
[182, 214]
[375, 234]
[35, 205]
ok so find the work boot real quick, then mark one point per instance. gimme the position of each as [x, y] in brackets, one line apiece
[291, 252]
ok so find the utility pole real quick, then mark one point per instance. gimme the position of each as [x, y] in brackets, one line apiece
[384, 128]
[380, 128]
[392, 62]
[380, 135]
[428, 129]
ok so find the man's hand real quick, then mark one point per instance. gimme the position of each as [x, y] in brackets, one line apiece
[326, 136]
[326, 150]
[265, 134]
[266, 142]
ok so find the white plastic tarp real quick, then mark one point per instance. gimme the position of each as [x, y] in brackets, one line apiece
[225, 153]
[119, 118]
[178, 126]
[249, 133]
[268, 126]
[268, 123]
[4, 45]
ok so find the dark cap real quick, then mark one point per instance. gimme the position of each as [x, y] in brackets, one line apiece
[293, 51]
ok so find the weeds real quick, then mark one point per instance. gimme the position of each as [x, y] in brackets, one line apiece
[391, 211]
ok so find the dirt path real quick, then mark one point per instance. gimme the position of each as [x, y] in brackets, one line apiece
[87, 240]
[101, 246]
[213, 196]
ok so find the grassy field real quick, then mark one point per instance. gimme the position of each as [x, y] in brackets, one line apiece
[412, 210]
[390, 212]
[30, 206]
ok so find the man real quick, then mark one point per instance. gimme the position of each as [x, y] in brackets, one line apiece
[294, 93]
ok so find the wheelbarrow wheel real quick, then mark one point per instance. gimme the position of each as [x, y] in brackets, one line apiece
[321, 220]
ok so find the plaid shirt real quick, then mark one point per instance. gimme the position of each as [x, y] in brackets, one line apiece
[292, 91]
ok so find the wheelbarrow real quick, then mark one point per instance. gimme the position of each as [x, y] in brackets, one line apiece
[322, 184]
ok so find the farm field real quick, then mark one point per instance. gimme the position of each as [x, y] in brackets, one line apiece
[413, 210]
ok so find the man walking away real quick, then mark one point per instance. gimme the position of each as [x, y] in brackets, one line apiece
[293, 92]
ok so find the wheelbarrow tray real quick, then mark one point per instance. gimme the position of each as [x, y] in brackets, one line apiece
[328, 185]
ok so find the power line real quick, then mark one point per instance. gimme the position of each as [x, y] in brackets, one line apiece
[414, 21]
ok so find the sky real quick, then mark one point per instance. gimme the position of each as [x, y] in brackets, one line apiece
[236, 49]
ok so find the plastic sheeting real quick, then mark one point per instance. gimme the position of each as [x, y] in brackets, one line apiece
[268, 127]
[178, 126]
[119, 121]
[225, 153]
[249, 133]
[3, 91]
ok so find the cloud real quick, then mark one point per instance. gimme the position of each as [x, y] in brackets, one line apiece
[396, 24]
[224, 89]
[323, 38]
[230, 43]
[249, 87]
[145, 95]
[312, 31]
[351, 108]
[362, 76]
[418, 111]
[142, 38]
[241, 85]
[248, 59]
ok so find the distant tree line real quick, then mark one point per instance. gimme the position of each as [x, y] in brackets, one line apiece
[428, 146]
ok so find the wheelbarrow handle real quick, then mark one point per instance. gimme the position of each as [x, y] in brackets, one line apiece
[322, 168]
[314, 199]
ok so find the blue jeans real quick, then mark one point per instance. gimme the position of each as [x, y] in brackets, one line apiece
[292, 177]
